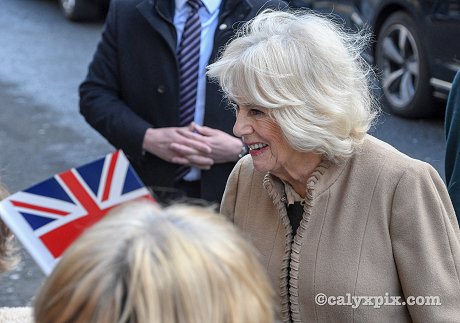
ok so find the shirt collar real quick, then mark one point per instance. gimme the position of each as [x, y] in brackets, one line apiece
[210, 5]
[291, 194]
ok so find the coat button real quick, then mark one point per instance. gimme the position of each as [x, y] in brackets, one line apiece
[223, 27]
[161, 89]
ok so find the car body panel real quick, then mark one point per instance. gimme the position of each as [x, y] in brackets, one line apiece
[437, 23]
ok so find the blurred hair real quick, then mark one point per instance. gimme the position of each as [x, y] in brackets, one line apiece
[8, 249]
[146, 264]
[308, 72]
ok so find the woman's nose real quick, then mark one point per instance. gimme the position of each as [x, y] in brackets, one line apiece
[241, 126]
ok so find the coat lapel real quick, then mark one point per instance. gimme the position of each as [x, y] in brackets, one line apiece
[231, 12]
[237, 10]
[159, 14]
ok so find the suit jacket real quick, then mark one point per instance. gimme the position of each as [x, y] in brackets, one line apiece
[133, 83]
[380, 224]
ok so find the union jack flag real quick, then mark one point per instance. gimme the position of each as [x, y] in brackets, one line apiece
[49, 216]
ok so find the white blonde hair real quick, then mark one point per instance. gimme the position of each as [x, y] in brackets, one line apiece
[145, 264]
[310, 75]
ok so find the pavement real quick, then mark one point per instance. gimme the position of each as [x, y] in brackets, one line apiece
[31, 152]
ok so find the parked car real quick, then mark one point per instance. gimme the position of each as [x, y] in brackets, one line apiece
[84, 10]
[416, 48]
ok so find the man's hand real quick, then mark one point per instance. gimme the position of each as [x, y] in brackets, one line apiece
[179, 146]
[224, 147]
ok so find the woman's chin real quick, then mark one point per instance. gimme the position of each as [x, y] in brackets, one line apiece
[260, 167]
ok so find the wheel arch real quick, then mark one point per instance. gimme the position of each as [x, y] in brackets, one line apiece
[383, 15]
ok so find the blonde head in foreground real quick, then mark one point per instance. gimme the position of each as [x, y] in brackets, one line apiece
[146, 264]
[308, 73]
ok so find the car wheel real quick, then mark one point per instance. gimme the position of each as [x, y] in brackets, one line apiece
[80, 10]
[403, 68]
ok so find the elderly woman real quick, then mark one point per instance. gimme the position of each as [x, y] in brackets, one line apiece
[349, 228]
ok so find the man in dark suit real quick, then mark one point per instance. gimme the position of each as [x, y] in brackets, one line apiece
[131, 93]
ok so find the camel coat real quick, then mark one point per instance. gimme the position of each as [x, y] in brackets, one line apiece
[379, 224]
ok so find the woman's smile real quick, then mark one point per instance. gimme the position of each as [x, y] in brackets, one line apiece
[257, 149]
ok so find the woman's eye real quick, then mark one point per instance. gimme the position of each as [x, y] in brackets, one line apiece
[256, 112]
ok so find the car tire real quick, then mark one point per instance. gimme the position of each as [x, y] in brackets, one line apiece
[403, 68]
[80, 10]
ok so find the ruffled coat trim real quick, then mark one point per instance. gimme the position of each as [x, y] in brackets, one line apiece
[290, 264]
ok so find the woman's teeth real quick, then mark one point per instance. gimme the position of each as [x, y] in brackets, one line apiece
[257, 146]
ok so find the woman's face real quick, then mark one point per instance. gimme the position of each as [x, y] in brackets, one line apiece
[268, 147]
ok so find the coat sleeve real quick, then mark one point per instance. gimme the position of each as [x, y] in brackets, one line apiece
[101, 95]
[452, 129]
[425, 240]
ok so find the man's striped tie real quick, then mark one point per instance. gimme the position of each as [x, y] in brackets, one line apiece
[188, 56]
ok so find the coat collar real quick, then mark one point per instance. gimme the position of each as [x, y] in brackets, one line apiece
[160, 15]
[229, 6]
